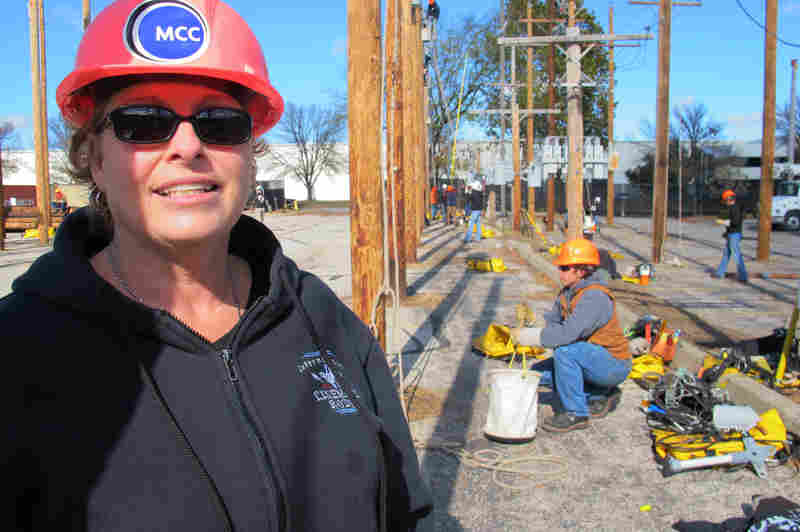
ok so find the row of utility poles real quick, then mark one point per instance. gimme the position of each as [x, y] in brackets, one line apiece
[574, 41]
[662, 128]
[379, 265]
[38, 50]
[39, 81]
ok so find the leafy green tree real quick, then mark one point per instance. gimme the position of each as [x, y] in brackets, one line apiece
[475, 39]
[468, 40]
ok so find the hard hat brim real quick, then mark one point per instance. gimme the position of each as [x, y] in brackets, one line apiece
[266, 106]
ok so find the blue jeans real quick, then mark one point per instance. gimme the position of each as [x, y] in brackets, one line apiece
[581, 372]
[474, 221]
[434, 209]
[732, 249]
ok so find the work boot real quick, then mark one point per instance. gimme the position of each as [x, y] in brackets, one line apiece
[565, 422]
[600, 408]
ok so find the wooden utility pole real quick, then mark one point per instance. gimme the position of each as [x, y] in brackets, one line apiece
[410, 181]
[364, 123]
[42, 186]
[610, 182]
[43, 131]
[660, 178]
[529, 103]
[87, 13]
[792, 112]
[662, 132]
[573, 40]
[420, 144]
[516, 115]
[768, 134]
[551, 119]
[394, 140]
[516, 201]
[574, 133]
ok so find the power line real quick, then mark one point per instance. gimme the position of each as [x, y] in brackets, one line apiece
[760, 25]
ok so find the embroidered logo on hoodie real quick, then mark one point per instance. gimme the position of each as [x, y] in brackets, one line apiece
[326, 387]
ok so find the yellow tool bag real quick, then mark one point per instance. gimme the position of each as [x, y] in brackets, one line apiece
[485, 232]
[647, 370]
[492, 265]
[34, 233]
[496, 343]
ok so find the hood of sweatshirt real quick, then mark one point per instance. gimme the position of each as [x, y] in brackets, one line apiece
[65, 277]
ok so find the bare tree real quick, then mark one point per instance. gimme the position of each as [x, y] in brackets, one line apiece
[694, 124]
[7, 136]
[59, 137]
[8, 140]
[314, 132]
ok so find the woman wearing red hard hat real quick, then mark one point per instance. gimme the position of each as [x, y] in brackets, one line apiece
[191, 377]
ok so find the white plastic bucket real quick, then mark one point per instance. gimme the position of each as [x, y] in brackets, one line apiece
[513, 403]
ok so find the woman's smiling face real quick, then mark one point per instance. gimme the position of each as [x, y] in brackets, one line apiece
[178, 191]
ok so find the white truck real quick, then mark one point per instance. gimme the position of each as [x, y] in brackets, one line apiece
[786, 204]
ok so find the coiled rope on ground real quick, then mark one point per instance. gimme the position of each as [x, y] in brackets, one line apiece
[498, 462]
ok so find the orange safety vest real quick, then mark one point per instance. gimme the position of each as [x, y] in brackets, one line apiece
[609, 335]
[434, 195]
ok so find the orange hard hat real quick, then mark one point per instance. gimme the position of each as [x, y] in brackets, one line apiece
[728, 194]
[185, 37]
[577, 251]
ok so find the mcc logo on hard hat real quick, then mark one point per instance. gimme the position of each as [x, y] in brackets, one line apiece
[166, 31]
[204, 38]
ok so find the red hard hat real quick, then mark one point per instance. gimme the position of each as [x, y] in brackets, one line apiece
[187, 37]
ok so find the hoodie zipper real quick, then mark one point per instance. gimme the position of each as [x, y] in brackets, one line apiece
[232, 373]
[260, 449]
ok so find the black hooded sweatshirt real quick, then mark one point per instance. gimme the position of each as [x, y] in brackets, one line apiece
[119, 417]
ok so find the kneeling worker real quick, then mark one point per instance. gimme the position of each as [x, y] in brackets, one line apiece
[590, 353]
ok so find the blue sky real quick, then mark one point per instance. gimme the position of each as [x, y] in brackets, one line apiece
[717, 55]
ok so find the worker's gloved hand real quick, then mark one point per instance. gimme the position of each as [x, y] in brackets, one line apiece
[639, 346]
[720, 221]
[526, 335]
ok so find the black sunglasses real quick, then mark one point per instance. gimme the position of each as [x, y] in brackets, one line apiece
[564, 268]
[151, 124]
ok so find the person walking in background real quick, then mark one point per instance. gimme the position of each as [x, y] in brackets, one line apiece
[467, 210]
[214, 384]
[474, 202]
[452, 197]
[732, 220]
[435, 206]
[591, 356]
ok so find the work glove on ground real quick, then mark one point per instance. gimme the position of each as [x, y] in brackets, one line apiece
[639, 346]
[526, 335]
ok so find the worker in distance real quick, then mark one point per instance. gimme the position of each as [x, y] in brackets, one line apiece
[590, 352]
[731, 218]
[192, 377]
